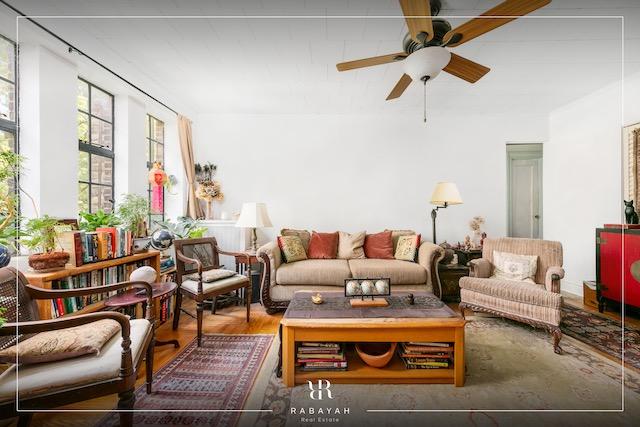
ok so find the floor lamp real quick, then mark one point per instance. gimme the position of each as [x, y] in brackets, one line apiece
[444, 194]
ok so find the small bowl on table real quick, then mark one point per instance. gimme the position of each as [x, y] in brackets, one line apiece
[376, 354]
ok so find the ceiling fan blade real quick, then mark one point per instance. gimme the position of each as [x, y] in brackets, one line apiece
[421, 29]
[400, 87]
[511, 9]
[465, 68]
[368, 62]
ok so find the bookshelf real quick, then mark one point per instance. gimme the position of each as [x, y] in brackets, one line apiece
[48, 280]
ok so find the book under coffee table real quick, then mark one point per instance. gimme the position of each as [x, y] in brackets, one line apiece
[428, 320]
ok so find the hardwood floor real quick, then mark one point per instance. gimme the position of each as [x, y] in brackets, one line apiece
[230, 320]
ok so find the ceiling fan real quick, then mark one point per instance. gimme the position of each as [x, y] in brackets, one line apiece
[426, 44]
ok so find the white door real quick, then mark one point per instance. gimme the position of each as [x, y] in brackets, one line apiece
[525, 190]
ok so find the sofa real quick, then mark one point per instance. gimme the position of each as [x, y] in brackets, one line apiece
[280, 280]
[537, 303]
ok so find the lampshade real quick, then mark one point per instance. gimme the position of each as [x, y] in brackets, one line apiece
[254, 215]
[446, 192]
[428, 61]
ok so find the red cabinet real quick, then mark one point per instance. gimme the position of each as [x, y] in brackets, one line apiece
[618, 262]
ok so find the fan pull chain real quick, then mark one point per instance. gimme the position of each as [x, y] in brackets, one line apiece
[424, 81]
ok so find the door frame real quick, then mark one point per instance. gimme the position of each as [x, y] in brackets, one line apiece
[525, 151]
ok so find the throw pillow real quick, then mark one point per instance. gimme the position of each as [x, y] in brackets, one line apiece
[508, 266]
[62, 344]
[350, 245]
[323, 245]
[396, 234]
[211, 275]
[292, 249]
[379, 245]
[407, 247]
[304, 236]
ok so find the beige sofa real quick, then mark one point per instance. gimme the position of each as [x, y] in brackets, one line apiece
[538, 304]
[280, 280]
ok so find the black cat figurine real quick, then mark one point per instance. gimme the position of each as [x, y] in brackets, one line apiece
[630, 214]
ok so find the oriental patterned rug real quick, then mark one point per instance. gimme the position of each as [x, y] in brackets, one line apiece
[213, 381]
[602, 333]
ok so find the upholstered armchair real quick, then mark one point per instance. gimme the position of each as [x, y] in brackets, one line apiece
[538, 304]
[52, 384]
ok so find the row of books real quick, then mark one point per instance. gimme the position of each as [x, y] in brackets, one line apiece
[95, 278]
[90, 246]
[426, 355]
[321, 356]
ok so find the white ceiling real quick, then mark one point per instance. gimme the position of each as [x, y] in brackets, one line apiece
[287, 65]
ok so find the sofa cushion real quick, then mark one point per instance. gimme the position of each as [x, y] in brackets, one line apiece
[304, 236]
[323, 245]
[236, 280]
[48, 377]
[314, 272]
[522, 292]
[379, 245]
[62, 344]
[350, 245]
[400, 272]
[292, 248]
[407, 248]
[396, 234]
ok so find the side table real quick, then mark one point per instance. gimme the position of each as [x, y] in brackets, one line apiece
[449, 279]
[254, 273]
[135, 296]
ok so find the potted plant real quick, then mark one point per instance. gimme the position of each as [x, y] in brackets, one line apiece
[90, 221]
[41, 238]
[184, 227]
[133, 211]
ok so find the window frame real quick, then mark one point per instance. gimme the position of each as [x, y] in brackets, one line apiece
[88, 147]
[6, 124]
[150, 140]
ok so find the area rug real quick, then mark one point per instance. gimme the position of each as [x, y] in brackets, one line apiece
[602, 333]
[512, 374]
[217, 376]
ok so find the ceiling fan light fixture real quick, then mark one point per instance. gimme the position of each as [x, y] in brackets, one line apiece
[428, 61]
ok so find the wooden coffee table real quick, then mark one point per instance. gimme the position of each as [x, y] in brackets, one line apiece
[335, 321]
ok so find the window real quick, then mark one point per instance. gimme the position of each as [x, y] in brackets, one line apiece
[155, 153]
[95, 141]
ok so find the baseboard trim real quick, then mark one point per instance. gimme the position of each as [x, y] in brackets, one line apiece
[571, 288]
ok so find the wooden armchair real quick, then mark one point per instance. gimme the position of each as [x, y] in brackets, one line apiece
[197, 256]
[53, 384]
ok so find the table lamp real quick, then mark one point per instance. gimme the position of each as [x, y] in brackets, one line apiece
[444, 194]
[254, 215]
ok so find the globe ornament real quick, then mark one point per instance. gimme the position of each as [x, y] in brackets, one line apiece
[5, 256]
[368, 288]
[353, 288]
[161, 239]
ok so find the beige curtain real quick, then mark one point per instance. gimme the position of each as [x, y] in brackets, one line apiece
[635, 166]
[194, 210]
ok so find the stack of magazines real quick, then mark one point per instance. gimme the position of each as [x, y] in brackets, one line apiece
[321, 356]
[426, 355]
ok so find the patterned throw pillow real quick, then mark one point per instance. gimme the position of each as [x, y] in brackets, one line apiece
[211, 275]
[304, 236]
[292, 249]
[520, 268]
[63, 343]
[350, 245]
[407, 247]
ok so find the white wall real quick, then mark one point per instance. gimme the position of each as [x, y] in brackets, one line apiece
[354, 173]
[583, 175]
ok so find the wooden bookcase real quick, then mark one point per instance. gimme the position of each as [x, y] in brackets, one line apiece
[44, 280]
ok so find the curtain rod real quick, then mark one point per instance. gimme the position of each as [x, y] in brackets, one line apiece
[73, 48]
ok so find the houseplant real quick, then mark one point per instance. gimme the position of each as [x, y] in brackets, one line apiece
[133, 211]
[184, 227]
[90, 221]
[41, 240]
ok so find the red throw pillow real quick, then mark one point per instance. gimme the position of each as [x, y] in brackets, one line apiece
[323, 245]
[379, 245]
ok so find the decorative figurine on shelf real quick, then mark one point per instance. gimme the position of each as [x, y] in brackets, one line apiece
[476, 226]
[467, 245]
[208, 189]
[157, 178]
[410, 299]
[630, 214]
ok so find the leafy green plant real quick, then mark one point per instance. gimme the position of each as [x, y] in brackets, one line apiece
[40, 234]
[9, 234]
[133, 211]
[90, 221]
[3, 320]
[184, 228]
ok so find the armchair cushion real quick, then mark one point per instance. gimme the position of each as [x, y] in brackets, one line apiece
[192, 285]
[507, 290]
[49, 377]
[509, 266]
[62, 343]
[211, 275]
